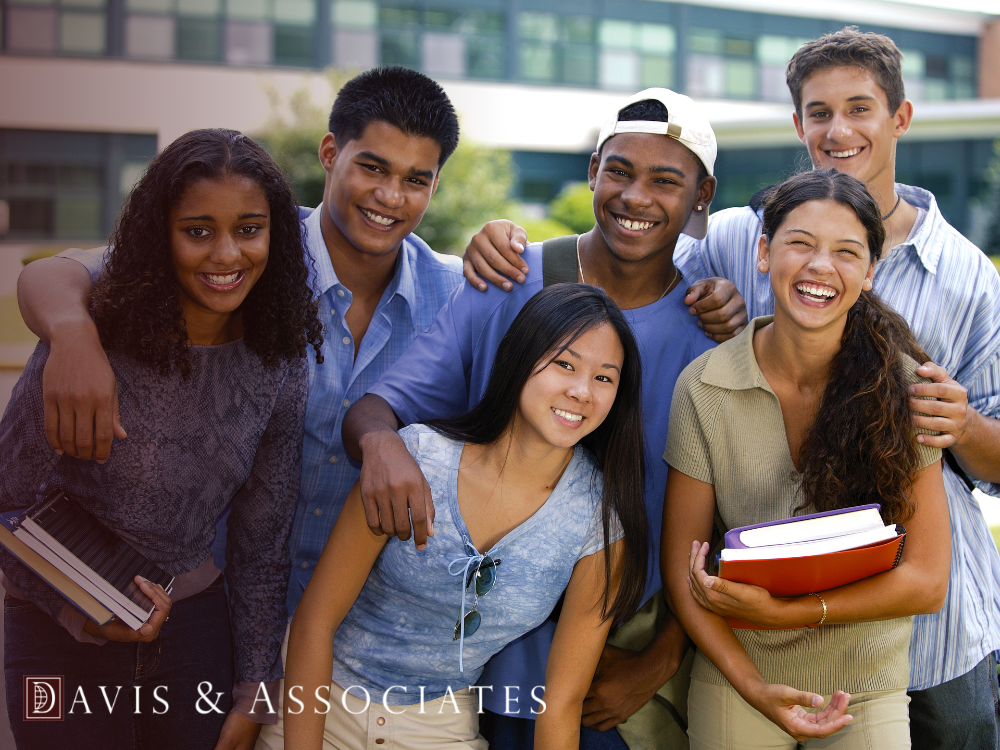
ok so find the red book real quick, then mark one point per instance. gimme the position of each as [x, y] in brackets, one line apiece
[798, 576]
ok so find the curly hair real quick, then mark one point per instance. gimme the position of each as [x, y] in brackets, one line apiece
[862, 448]
[136, 305]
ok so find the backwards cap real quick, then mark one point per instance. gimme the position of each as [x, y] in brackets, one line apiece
[686, 122]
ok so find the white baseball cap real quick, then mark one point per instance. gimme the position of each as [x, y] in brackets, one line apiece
[686, 122]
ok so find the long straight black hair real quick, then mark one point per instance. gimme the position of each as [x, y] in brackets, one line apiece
[550, 322]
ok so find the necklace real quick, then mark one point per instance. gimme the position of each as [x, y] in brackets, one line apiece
[667, 288]
[898, 199]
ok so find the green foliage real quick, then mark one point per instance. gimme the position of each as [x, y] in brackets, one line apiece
[991, 244]
[574, 207]
[474, 187]
[292, 135]
[542, 229]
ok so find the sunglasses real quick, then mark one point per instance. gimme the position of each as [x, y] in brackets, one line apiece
[485, 576]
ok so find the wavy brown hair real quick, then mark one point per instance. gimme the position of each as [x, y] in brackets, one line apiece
[136, 305]
[862, 448]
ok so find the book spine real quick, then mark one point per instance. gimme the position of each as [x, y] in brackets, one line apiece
[74, 575]
[902, 540]
[95, 578]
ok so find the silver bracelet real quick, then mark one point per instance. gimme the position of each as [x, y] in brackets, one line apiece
[823, 602]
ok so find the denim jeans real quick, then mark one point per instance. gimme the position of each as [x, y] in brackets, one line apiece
[514, 733]
[194, 646]
[961, 714]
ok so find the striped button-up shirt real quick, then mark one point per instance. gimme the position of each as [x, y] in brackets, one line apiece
[949, 293]
[423, 280]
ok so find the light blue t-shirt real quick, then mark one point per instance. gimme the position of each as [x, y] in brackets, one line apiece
[400, 630]
[444, 372]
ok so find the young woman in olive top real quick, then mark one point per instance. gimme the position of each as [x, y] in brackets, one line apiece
[805, 412]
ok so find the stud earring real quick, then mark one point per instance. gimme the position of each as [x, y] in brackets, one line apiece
[866, 285]
[698, 208]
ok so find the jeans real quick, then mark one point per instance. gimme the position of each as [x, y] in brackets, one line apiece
[961, 714]
[194, 646]
[514, 733]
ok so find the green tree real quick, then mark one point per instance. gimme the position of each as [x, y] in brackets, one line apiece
[474, 187]
[574, 207]
[292, 135]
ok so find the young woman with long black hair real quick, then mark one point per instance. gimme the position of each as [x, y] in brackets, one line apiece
[528, 488]
[807, 411]
[204, 308]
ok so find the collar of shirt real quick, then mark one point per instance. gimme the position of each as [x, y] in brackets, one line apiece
[733, 365]
[323, 277]
[923, 239]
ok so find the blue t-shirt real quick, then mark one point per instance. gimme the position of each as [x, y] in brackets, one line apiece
[445, 371]
[400, 630]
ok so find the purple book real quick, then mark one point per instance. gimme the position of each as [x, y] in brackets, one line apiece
[734, 541]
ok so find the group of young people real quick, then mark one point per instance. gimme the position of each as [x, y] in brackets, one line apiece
[307, 389]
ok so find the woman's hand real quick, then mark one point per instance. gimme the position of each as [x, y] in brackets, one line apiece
[238, 733]
[784, 706]
[116, 630]
[730, 599]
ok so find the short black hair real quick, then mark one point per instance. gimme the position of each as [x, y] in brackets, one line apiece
[652, 110]
[401, 97]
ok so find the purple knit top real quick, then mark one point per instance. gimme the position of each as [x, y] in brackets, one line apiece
[232, 432]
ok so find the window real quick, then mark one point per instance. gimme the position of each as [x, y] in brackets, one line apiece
[636, 55]
[72, 27]
[447, 43]
[722, 65]
[60, 185]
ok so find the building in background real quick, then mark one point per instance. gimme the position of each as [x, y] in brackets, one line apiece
[90, 89]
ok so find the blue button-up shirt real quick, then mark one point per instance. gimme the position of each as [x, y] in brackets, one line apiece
[949, 293]
[423, 280]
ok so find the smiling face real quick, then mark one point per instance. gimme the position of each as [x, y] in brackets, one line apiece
[569, 397]
[846, 124]
[645, 188]
[219, 238]
[819, 263]
[378, 186]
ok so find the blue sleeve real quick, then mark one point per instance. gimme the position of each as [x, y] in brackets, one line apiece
[979, 371]
[443, 371]
[92, 259]
[430, 379]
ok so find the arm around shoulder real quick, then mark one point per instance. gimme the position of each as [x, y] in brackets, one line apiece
[81, 393]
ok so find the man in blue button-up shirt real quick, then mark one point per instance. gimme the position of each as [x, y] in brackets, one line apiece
[378, 285]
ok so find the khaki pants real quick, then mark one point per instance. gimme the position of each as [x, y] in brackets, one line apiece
[719, 719]
[402, 728]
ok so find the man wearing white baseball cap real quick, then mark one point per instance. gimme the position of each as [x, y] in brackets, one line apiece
[652, 179]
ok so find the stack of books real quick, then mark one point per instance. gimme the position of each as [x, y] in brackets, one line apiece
[90, 565]
[814, 553]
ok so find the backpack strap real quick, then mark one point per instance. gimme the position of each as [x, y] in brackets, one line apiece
[559, 263]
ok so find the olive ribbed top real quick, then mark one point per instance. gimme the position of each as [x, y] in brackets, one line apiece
[726, 429]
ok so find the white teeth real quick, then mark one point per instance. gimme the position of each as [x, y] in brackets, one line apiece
[845, 154]
[634, 225]
[568, 415]
[227, 279]
[816, 291]
[378, 219]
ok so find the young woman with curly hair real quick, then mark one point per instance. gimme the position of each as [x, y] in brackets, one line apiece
[204, 308]
[807, 411]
